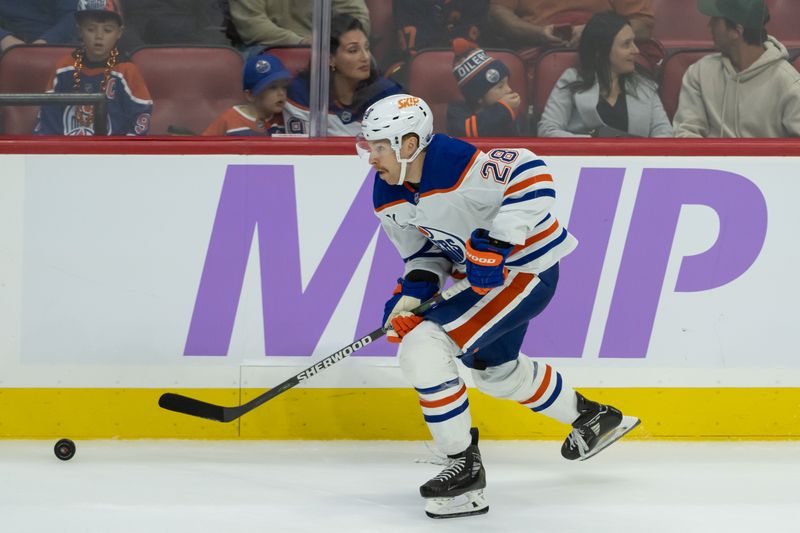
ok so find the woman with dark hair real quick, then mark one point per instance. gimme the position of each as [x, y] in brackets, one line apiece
[606, 95]
[354, 83]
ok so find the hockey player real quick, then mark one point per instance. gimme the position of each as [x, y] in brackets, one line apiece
[98, 66]
[264, 80]
[451, 209]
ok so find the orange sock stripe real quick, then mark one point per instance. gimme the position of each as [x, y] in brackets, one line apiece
[465, 331]
[542, 388]
[444, 401]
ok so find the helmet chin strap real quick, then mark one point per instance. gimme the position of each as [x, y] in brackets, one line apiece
[403, 168]
[404, 163]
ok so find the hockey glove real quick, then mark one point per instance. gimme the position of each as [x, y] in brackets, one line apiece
[397, 311]
[486, 259]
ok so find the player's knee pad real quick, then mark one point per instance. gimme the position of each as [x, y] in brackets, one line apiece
[427, 356]
[510, 380]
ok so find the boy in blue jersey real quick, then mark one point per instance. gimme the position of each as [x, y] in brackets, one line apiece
[98, 67]
[453, 210]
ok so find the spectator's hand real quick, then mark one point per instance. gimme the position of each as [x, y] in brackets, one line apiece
[39, 41]
[8, 41]
[511, 100]
[548, 38]
[577, 31]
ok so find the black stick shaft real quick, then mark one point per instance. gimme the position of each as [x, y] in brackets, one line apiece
[190, 406]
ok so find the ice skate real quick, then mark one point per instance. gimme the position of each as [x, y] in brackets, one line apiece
[458, 490]
[597, 427]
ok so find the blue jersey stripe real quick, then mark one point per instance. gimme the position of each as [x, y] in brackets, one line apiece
[448, 415]
[439, 388]
[552, 397]
[545, 219]
[541, 251]
[530, 196]
[526, 166]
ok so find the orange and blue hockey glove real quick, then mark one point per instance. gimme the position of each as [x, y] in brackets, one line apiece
[397, 311]
[486, 259]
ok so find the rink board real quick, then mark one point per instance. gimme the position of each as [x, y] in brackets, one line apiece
[126, 276]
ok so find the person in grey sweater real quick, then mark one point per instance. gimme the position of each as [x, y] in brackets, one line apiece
[749, 88]
[606, 95]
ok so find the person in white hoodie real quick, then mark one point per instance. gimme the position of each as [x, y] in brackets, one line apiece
[749, 89]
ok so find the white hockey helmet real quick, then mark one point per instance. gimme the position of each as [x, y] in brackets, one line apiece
[393, 117]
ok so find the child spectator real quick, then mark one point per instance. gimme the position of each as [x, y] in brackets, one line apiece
[355, 83]
[749, 89]
[36, 22]
[605, 96]
[264, 81]
[98, 67]
[491, 105]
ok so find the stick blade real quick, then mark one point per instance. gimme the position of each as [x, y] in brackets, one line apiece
[190, 406]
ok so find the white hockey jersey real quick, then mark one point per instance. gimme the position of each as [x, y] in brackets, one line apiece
[507, 191]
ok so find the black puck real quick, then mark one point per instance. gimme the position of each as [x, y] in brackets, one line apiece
[64, 449]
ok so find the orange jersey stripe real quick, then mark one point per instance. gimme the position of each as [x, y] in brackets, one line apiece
[542, 388]
[444, 401]
[527, 183]
[467, 330]
[538, 237]
[390, 204]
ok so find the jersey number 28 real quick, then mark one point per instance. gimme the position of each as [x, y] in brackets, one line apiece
[498, 167]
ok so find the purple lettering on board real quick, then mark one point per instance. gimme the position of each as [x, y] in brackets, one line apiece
[742, 212]
[262, 198]
[561, 329]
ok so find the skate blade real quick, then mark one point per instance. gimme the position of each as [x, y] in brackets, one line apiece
[627, 424]
[467, 504]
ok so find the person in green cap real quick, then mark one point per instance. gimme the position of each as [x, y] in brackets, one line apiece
[749, 88]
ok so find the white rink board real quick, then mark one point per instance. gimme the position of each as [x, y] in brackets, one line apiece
[101, 259]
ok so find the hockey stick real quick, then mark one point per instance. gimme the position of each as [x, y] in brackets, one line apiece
[190, 406]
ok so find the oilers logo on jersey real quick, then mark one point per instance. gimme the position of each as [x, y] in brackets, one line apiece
[451, 245]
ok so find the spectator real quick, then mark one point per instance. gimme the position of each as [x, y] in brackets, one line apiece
[491, 105]
[36, 22]
[605, 95]
[555, 23]
[435, 23]
[160, 22]
[97, 66]
[265, 23]
[264, 83]
[749, 89]
[354, 82]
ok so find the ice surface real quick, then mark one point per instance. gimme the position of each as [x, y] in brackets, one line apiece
[345, 486]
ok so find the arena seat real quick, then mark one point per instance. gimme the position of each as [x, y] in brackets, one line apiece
[190, 86]
[546, 71]
[784, 22]
[680, 25]
[26, 69]
[431, 78]
[672, 76]
[383, 35]
[295, 58]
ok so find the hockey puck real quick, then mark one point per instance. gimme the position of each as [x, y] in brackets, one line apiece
[64, 449]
